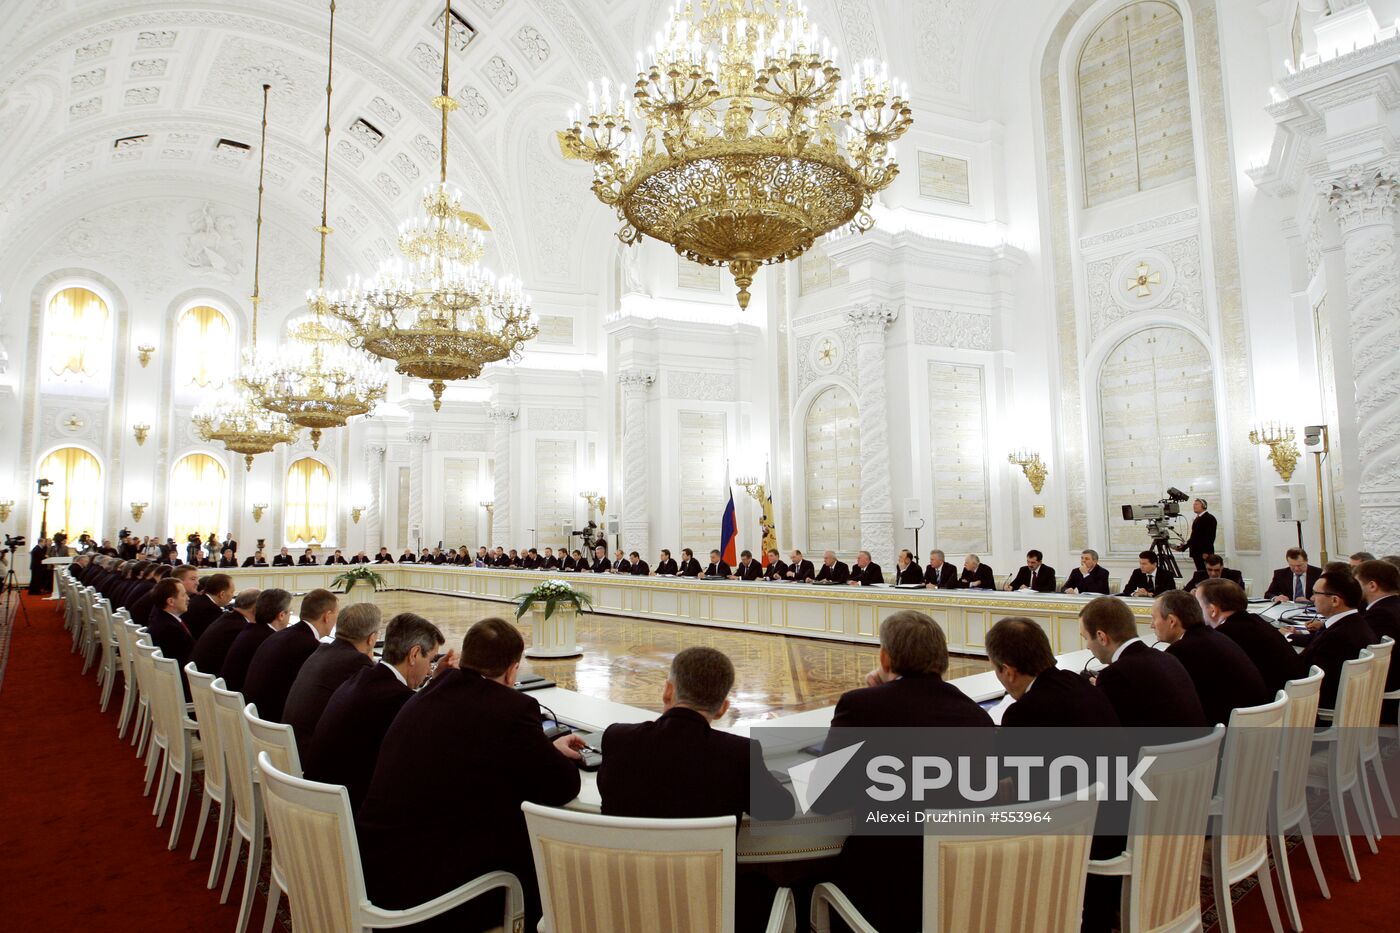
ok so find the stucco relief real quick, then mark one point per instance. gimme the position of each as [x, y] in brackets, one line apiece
[808, 346]
[557, 419]
[961, 330]
[555, 193]
[1179, 292]
[700, 386]
[941, 38]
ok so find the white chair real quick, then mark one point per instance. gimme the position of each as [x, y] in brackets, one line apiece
[1337, 766]
[248, 825]
[122, 629]
[141, 700]
[1239, 843]
[1370, 735]
[1166, 839]
[155, 739]
[1290, 803]
[184, 755]
[326, 886]
[109, 666]
[639, 871]
[215, 770]
[1049, 865]
[277, 741]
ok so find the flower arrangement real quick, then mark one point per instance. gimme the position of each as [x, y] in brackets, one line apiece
[347, 580]
[553, 593]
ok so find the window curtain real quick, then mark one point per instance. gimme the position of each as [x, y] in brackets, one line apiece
[77, 339]
[308, 501]
[75, 498]
[200, 484]
[204, 348]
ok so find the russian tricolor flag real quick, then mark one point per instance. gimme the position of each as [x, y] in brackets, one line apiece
[728, 528]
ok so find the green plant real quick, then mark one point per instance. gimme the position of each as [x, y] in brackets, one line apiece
[553, 593]
[347, 580]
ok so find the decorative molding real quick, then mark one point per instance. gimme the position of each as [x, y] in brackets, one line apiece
[700, 386]
[636, 379]
[557, 419]
[871, 320]
[959, 330]
[502, 415]
[500, 74]
[1146, 226]
[1180, 293]
[461, 440]
[417, 437]
[532, 44]
[1364, 197]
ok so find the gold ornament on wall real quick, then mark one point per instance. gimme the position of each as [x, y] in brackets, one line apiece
[143, 354]
[1283, 450]
[1032, 466]
[142, 431]
[138, 509]
[1140, 284]
[355, 512]
[258, 509]
[5, 506]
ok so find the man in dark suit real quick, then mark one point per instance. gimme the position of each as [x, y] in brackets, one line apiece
[330, 665]
[168, 631]
[1380, 588]
[777, 567]
[207, 604]
[271, 613]
[600, 564]
[1215, 570]
[1201, 540]
[976, 575]
[283, 558]
[906, 572]
[256, 559]
[866, 572]
[360, 558]
[1045, 695]
[717, 568]
[1227, 610]
[1295, 582]
[1146, 687]
[227, 560]
[229, 545]
[336, 558]
[1149, 579]
[346, 743]
[1088, 577]
[1225, 678]
[274, 667]
[666, 565]
[468, 736]
[800, 569]
[939, 574]
[747, 568]
[883, 875]
[307, 559]
[531, 561]
[212, 647]
[384, 557]
[689, 566]
[408, 557]
[636, 566]
[1035, 576]
[1344, 631]
[832, 570]
[185, 574]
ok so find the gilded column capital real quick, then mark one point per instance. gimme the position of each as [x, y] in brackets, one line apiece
[1364, 197]
[871, 319]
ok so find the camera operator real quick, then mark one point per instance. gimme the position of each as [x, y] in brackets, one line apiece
[1201, 540]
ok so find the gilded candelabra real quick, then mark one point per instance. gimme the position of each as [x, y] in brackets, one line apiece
[1032, 466]
[490, 507]
[143, 354]
[1283, 450]
[759, 493]
[740, 142]
[258, 509]
[5, 506]
[595, 502]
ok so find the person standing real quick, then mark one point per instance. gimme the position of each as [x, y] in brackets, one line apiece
[40, 574]
[1202, 538]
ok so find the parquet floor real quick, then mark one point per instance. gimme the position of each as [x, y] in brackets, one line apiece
[626, 660]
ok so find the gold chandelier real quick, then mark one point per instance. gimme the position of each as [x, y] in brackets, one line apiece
[240, 424]
[316, 378]
[752, 145]
[437, 313]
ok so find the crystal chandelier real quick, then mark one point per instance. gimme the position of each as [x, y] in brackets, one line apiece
[436, 312]
[316, 379]
[240, 424]
[751, 146]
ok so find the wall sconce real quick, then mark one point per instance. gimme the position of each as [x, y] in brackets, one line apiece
[142, 431]
[751, 486]
[138, 509]
[5, 506]
[355, 512]
[1032, 466]
[143, 354]
[490, 506]
[258, 509]
[1283, 452]
[594, 501]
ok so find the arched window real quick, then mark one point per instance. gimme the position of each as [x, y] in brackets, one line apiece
[77, 337]
[199, 500]
[75, 498]
[204, 350]
[1134, 103]
[310, 501]
[833, 472]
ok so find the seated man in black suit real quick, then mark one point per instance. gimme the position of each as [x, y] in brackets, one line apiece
[689, 566]
[274, 666]
[906, 572]
[747, 568]
[408, 557]
[531, 561]
[346, 744]
[1344, 631]
[330, 665]
[717, 569]
[636, 566]
[168, 631]
[1380, 588]
[212, 647]
[469, 736]
[1227, 611]
[883, 875]
[1225, 678]
[227, 559]
[1295, 582]
[547, 559]
[384, 557]
[939, 574]
[1088, 577]
[336, 558]
[283, 558]
[832, 570]
[1045, 695]
[1146, 687]
[271, 614]
[1035, 576]
[307, 559]
[360, 557]
[800, 569]
[777, 567]
[574, 563]
[678, 767]
[256, 559]
[1215, 570]
[207, 604]
[866, 572]
[600, 564]
[976, 575]
[666, 565]
[1149, 579]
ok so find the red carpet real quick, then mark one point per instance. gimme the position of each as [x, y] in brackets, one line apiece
[79, 849]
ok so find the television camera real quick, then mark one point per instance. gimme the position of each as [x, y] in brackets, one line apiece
[1158, 517]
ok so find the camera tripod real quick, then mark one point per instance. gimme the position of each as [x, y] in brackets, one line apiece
[12, 586]
[1165, 558]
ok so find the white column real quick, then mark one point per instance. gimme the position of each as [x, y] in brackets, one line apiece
[870, 322]
[418, 442]
[636, 526]
[374, 510]
[1365, 203]
[502, 418]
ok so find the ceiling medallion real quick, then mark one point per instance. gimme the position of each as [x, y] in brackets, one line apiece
[752, 144]
[436, 312]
